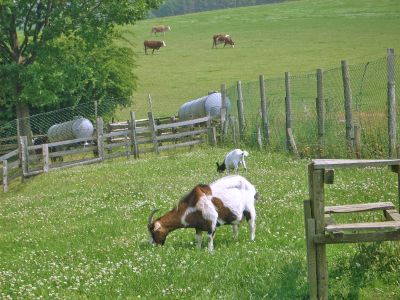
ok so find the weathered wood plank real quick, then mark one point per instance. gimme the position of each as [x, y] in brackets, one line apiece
[181, 134]
[114, 145]
[394, 225]
[185, 144]
[309, 225]
[75, 163]
[73, 151]
[357, 237]
[348, 163]
[392, 214]
[69, 142]
[121, 134]
[9, 155]
[358, 207]
[182, 123]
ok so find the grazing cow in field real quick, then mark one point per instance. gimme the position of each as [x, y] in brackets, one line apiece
[155, 45]
[160, 28]
[222, 38]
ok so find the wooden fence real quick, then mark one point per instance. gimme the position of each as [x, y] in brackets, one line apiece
[134, 137]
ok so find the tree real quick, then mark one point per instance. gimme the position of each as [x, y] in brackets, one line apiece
[55, 51]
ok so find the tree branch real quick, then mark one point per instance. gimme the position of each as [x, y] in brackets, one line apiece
[26, 35]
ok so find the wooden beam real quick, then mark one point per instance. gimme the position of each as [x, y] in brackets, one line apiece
[351, 208]
[320, 164]
[387, 225]
[357, 237]
[392, 215]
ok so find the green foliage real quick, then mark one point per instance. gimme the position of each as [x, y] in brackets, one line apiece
[57, 53]
[81, 233]
[179, 7]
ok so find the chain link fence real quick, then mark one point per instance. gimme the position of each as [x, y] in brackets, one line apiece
[369, 86]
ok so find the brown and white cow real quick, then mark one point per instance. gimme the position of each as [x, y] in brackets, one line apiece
[155, 45]
[220, 38]
[160, 28]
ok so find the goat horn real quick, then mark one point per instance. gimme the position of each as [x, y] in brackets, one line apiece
[150, 219]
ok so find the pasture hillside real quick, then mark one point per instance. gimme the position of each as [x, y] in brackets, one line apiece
[295, 36]
[81, 233]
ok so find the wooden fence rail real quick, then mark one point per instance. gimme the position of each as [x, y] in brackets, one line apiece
[126, 139]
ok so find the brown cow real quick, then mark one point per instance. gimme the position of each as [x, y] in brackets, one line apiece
[160, 28]
[155, 45]
[222, 38]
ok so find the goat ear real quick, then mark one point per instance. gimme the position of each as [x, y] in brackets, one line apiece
[217, 164]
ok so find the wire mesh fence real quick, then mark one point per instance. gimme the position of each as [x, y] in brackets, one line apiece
[369, 87]
[41, 123]
[369, 107]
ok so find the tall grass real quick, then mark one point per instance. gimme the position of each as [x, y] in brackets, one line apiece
[81, 233]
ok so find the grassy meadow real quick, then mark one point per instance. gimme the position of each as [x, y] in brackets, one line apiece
[81, 233]
[294, 36]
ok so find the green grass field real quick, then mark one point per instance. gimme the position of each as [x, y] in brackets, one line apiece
[81, 233]
[295, 36]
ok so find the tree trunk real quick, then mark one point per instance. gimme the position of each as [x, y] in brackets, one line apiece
[24, 121]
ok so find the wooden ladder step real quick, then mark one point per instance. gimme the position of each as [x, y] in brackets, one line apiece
[359, 207]
[388, 225]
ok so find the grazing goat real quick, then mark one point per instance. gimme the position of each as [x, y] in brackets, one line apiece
[225, 201]
[232, 161]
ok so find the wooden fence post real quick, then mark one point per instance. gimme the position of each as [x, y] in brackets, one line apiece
[391, 94]
[24, 155]
[127, 146]
[288, 109]
[134, 143]
[232, 121]
[259, 137]
[347, 103]
[45, 152]
[320, 105]
[223, 112]
[153, 128]
[212, 136]
[357, 141]
[100, 140]
[317, 198]
[264, 108]
[5, 176]
[240, 110]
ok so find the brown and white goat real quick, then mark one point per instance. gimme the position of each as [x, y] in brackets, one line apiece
[225, 201]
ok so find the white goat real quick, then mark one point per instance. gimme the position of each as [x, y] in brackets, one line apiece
[225, 201]
[232, 161]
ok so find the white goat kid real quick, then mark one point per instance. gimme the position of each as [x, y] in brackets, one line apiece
[228, 200]
[232, 161]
